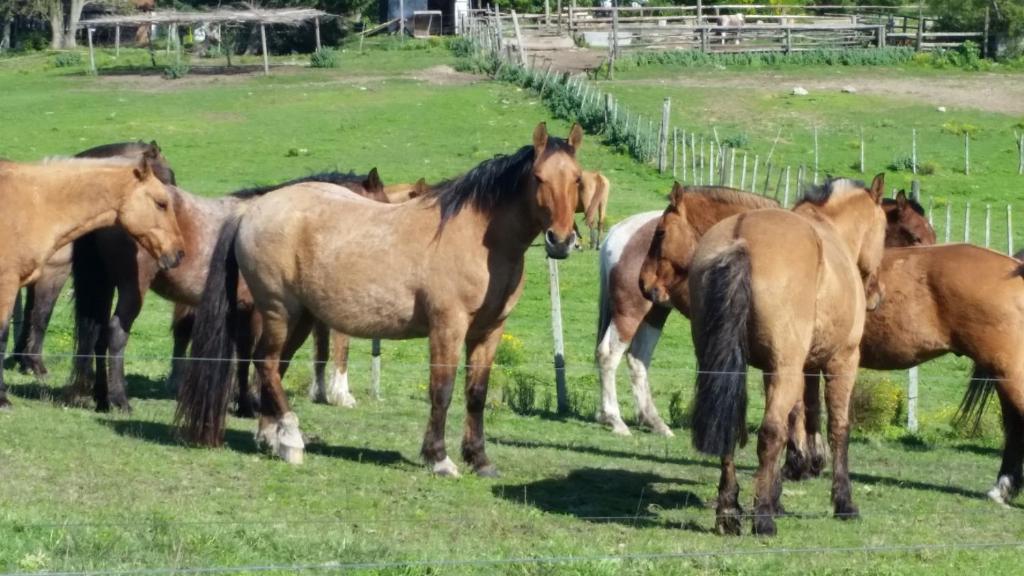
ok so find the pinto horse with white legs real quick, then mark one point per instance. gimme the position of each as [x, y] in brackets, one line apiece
[447, 265]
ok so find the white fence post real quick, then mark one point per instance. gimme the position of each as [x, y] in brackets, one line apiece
[556, 333]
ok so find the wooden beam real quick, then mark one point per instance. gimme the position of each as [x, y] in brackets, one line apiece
[316, 28]
[92, 55]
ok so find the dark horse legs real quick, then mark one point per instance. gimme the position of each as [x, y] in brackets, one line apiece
[40, 299]
[8, 294]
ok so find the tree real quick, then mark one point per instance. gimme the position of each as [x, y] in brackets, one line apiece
[1007, 16]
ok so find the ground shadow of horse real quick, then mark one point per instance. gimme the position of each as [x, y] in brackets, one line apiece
[606, 453]
[146, 388]
[361, 455]
[603, 496]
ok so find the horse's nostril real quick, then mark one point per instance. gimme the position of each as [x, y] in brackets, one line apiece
[549, 236]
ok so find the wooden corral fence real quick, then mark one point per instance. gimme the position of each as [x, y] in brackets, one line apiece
[732, 28]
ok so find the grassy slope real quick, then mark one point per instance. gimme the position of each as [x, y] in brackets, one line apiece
[85, 491]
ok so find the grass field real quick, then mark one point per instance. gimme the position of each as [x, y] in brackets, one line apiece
[87, 492]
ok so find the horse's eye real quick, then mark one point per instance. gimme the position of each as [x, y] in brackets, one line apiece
[162, 205]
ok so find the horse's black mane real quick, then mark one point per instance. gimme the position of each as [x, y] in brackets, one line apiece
[914, 204]
[819, 195]
[492, 183]
[114, 149]
[339, 178]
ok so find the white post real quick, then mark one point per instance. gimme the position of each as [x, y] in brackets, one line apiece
[684, 156]
[949, 220]
[675, 151]
[701, 174]
[666, 107]
[732, 165]
[266, 56]
[117, 41]
[753, 175]
[92, 56]
[519, 39]
[861, 149]
[693, 157]
[912, 399]
[785, 198]
[375, 368]
[967, 153]
[988, 226]
[712, 160]
[556, 332]
[1009, 230]
[743, 173]
[913, 150]
[815, 155]
[401, 20]
[967, 223]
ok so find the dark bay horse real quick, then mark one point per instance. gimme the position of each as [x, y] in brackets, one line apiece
[785, 291]
[50, 204]
[41, 296]
[108, 261]
[628, 323]
[447, 265]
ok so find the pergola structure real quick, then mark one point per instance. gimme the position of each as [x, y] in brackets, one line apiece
[172, 18]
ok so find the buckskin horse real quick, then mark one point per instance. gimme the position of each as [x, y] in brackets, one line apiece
[447, 265]
[787, 292]
[49, 204]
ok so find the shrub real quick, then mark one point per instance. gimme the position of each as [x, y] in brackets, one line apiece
[902, 163]
[461, 46]
[958, 129]
[67, 59]
[520, 392]
[510, 353]
[324, 58]
[176, 70]
[679, 412]
[877, 403]
[736, 141]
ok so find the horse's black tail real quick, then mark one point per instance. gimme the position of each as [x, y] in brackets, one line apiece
[972, 407]
[205, 390]
[720, 406]
[94, 299]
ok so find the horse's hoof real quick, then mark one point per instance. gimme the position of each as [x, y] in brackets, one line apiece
[847, 511]
[290, 454]
[344, 400]
[764, 525]
[290, 446]
[445, 468]
[1002, 492]
[662, 429]
[727, 523]
[487, 471]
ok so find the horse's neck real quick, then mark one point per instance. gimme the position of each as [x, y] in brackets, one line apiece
[847, 229]
[82, 199]
[705, 215]
[508, 230]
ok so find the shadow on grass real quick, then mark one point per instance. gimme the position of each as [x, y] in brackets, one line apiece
[167, 435]
[979, 450]
[606, 496]
[360, 455]
[604, 452]
[146, 388]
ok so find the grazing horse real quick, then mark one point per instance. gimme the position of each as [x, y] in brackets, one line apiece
[41, 296]
[447, 265]
[627, 321]
[108, 261]
[50, 204]
[787, 292]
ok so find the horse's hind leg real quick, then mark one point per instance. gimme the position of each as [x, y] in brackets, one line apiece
[804, 451]
[182, 321]
[641, 350]
[841, 372]
[248, 399]
[479, 358]
[608, 355]
[783, 389]
[728, 512]
[338, 392]
[9, 288]
[129, 304]
[279, 426]
[1011, 400]
[43, 296]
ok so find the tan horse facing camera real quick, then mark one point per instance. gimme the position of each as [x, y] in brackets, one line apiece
[49, 204]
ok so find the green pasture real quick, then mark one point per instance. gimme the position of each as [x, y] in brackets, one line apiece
[81, 491]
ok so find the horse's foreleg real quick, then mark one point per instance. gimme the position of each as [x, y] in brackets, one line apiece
[248, 399]
[182, 321]
[338, 393]
[728, 512]
[641, 350]
[1011, 400]
[783, 390]
[129, 304]
[321, 344]
[43, 296]
[479, 358]
[446, 338]
[278, 425]
[9, 288]
[608, 355]
[841, 373]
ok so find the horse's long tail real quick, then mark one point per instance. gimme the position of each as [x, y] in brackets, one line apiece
[205, 390]
[972, 407]
[604, 300]
[720, 407]
[93, 300]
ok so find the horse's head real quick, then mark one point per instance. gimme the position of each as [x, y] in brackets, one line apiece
[857, 215]
[557, 177]
[663, 276]
[373, 188]
[906, 223]
[147, 213]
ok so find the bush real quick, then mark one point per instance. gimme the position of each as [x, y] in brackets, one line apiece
[736, 141]
[324, 58]
[461, 46]
[176, 71]
[67, 59]
[890, 56]
[520, 392]
[510, 353]
[877, 403]
[680, 413]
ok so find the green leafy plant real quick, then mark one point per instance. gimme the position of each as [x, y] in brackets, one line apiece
[877, 403]
[67, 59]
[176, 71]
[324, 58]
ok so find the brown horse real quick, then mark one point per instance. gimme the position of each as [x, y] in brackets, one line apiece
[41, 296]
[627, 321]
[593, 204]
[50, 204]
[448, 265]
[786, 292]
[108, 261]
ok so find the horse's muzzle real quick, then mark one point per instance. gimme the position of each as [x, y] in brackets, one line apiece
[168, 261]
[558, 249]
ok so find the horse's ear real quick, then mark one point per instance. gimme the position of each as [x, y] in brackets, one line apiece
[145, 167]
[675, 198]
[373, 183]
[878, 188]
[419, 188]
[901, 199]
[576, 137]
[540, 140]
[154, 146]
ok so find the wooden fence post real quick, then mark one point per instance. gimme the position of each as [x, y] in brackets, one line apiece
[266, 57]
[743, 172]
[861, 149]
[920, 34]
[675, 151]
[684, 156]
[117, 41]
[519, 39]
[375, 368]
[967, 153]
[556, 333]
[753, 175]
[912, 374]
[988, 226]
[815, 155]
[785, 198]
[949, 221]
[913, 150]
[316, 30]
[92, 56]
[984, 41]
[967, 223]
[1009, 230]
[1020, 150]
[693, 157]
[666, 107]
[732, 165]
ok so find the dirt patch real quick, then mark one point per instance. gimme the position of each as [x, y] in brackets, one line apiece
[999, 93]
[444, 76]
